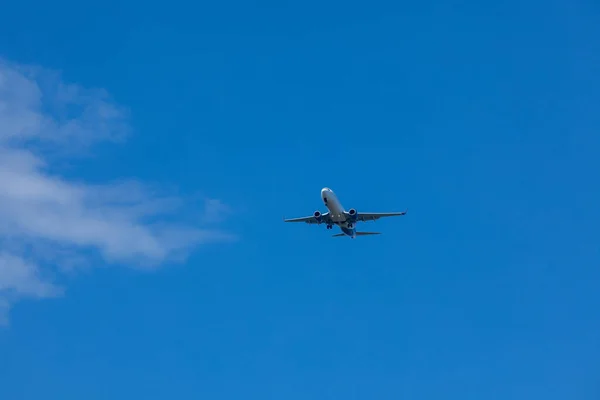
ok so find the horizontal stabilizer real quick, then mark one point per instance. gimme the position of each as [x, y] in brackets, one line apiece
[357, 234]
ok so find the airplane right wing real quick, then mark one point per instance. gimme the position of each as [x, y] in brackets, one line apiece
[375, 216]
[311, 220]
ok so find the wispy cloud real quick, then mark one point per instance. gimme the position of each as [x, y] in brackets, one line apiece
[215, 210]
[49, 224]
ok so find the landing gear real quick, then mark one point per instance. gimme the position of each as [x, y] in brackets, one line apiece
[350, 225]
[329, 226]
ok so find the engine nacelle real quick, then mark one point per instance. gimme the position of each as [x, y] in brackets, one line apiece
[317, 214]
[353, 214]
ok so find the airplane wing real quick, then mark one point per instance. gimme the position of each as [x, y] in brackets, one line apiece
[362, 216]
[311, 219]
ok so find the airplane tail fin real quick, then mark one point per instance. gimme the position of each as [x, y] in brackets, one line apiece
[357, 234]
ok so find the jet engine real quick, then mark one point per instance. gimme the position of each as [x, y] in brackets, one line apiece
[353, 214]
[317, 215]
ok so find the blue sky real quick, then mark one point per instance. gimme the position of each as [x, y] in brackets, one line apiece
[149, 151]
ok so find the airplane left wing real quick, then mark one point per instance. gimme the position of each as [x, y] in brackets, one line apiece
[375, 216]
[311, 220]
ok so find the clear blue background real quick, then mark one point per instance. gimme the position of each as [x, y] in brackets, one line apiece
[481, 118]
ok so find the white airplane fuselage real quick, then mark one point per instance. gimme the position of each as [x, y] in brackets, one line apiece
[337, 212]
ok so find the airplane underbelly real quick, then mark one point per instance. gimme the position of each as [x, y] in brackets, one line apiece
[337, 214]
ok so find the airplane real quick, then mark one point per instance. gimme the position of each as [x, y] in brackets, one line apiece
[337, 215]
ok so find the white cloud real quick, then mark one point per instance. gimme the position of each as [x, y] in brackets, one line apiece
[215, 210]
[19, 278]
[49, 224]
